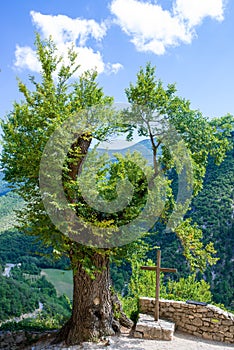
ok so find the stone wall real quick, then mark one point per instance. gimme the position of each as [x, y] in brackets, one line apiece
[208, 322]
[13, 340]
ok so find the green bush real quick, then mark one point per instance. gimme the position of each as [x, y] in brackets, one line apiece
[188, 288]
[143, 283]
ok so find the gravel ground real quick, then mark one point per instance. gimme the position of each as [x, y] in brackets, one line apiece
[181, 341]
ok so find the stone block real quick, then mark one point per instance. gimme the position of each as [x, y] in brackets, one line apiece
[206, 329]
[179, 311]
[197, 322]
[180, 324]
[176, 318]
[227, 322]
[218, 338]
[125, 330]
[167, 335]
[201, 309]
[223, 329]
[150, 329]
[171, 309]
[191, 306]
[229, 335]
[208, 336]
[138, 334]
[228, 340]
[180, 328]
[152, 333]
[190, 327]
[164, 301]
[197, 334]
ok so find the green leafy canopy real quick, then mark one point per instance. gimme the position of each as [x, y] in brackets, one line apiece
[54, 99]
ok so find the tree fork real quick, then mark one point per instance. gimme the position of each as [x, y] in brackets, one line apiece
[96, 309]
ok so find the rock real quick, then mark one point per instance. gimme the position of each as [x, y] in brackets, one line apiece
[207, 336]
[197, 321]
[227, 322]
[148, 328]
[125, 330]
[138, 334]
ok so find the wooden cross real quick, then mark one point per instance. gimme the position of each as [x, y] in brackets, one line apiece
[158, 269]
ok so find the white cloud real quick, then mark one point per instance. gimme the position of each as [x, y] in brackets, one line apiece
[66, 31]
[87, 58]
[25, 57]
[196, 10]
[154, 29]
[151, 27]
[113, 68]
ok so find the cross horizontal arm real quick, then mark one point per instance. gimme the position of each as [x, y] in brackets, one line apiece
[154, 268]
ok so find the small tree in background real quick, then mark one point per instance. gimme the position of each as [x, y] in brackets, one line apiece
[159, 114]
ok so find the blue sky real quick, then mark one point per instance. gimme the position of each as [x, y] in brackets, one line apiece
[191, 42]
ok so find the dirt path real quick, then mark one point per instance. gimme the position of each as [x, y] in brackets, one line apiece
[181, 341]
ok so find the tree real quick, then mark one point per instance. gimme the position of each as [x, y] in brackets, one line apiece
[181, 140]
[55, 104]
[27, 129]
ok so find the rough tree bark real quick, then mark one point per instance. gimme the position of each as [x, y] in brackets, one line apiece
[92, 314]
[96, 310]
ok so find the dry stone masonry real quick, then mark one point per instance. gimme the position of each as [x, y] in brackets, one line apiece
[15, 340]
[208, 322]
[148, 328]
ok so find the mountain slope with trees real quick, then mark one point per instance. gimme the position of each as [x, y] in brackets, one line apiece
[212, 209]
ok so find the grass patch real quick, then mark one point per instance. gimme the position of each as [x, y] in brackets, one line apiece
[61, 279]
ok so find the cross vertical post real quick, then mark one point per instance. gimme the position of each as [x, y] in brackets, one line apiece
[158, 269]
[156, 311]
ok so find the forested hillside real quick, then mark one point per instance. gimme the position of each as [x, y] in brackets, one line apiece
[212, 209]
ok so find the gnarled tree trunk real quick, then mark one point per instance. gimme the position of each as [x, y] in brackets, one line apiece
[93, 305]
[92, 314]
[93, 301]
